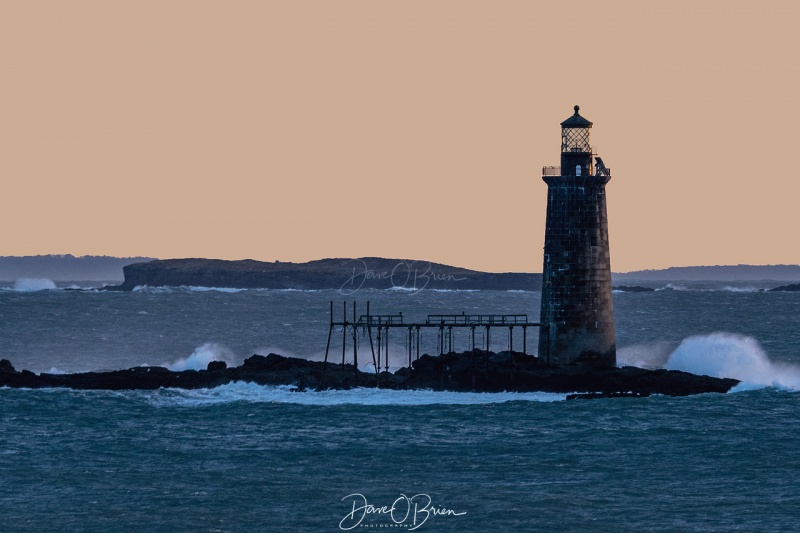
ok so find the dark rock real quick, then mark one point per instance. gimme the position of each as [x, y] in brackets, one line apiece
[6, 366]
[148, 369]
[214, 366]
[273, 363]
[469, 371]
[625, 288]
[787, 288]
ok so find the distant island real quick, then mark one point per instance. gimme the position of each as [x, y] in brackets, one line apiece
[714, 273]
[346, 274]
[349, 275]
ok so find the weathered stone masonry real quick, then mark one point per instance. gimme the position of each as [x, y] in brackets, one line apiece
[576, 289]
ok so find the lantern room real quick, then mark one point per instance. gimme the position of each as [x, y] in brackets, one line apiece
[576, 153]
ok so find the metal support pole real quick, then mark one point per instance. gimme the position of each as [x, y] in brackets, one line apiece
[450, 340]
[510, 338]
[525, 340]
[371, 346]
[355, 344]
[487, 337]
[327, 346]
[344, 330]
[379, 349]
[417, 342]
[473, 336]
[409, 346]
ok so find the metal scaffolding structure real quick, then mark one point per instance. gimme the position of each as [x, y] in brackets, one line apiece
[445, 323]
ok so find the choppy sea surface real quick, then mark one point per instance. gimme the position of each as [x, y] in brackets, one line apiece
[249, 458]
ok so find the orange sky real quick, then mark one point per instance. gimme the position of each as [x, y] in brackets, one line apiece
[300, 130]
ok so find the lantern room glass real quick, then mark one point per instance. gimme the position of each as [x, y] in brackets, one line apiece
[575, 140]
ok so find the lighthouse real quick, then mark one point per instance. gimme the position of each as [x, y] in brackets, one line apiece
[577, 309]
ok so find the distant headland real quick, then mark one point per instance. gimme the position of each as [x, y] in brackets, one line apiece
[715, 273]
[349, 275]
[346, 275]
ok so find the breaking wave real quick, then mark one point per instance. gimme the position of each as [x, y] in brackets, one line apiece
[33, 284]
[193, 288]
[740, 289]
[152, 290]
[673, 287]
[650, 356]
[720, 354]
[735, 356]
[201, 356]
[403, 289]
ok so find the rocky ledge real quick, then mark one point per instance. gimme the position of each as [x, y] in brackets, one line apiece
[478, 371]
[635, 288]
[794, 287]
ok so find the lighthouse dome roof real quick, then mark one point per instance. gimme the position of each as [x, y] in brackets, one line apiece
[576, 121]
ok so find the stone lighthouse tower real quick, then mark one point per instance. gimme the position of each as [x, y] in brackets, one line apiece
[576, 288]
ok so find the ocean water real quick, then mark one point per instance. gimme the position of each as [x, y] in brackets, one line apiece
[249, 458]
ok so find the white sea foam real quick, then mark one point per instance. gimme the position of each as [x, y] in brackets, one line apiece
[193, 288]
[201, 356]
[704, 287]
[733, 356]
[728, 288]
[291, 290]
[199, 288]
[673, 287]
[152, 290]
[250, 392]
[33, 284]
[455, 290]
[169, 289]
[653, 355]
